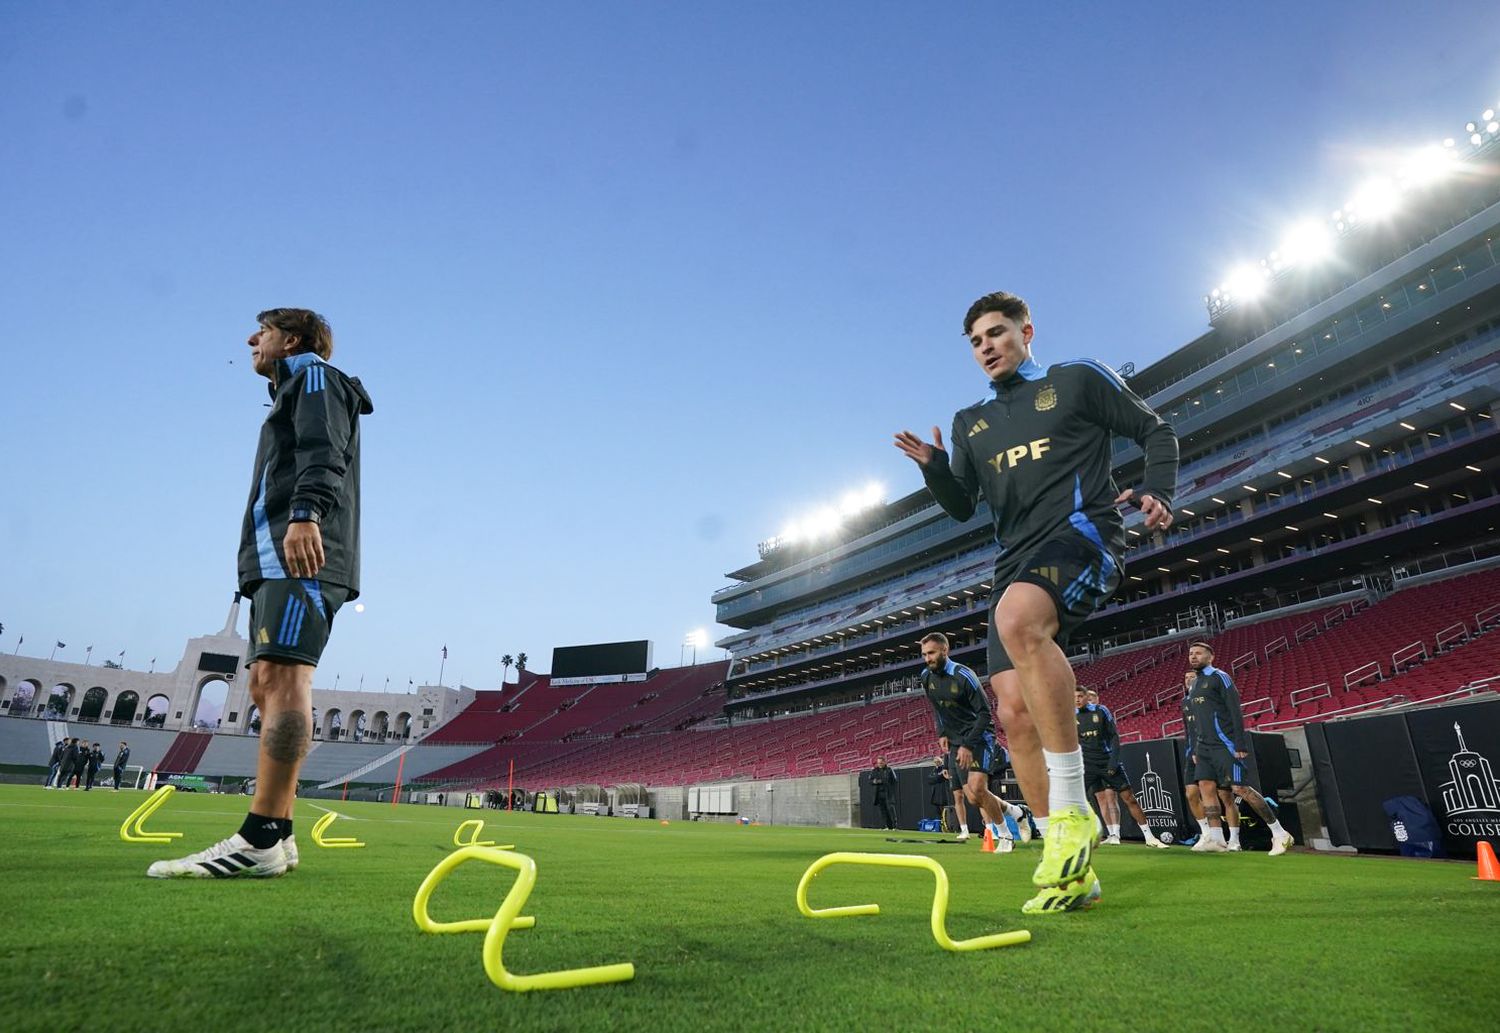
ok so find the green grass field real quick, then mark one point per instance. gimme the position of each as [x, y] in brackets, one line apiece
[707, 914]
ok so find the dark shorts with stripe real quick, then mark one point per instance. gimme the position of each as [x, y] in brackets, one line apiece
[1096, 780]
[290, 619]
[1217, 765]
[1079, 575]
[984, 749]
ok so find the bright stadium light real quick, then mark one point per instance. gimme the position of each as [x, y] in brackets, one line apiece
[827, 520]
[1245, 283]
[1307, 243]
[1376, 199]
[1428, 166]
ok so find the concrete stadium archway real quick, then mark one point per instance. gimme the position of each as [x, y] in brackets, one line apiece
[403, 725]
[156, 711]
[333, 724]
[60, 699]
[92, 706]
[208, 704]
[380, 726]
[126, 704]
[357, 724]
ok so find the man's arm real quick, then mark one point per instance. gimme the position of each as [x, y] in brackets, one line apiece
[1109, 735]
[322, 427]
[1125, 414]
[1234, 712]
[952, 481]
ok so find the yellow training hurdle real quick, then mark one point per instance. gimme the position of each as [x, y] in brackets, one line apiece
[319, 836]
[939, 899]
[132, 832]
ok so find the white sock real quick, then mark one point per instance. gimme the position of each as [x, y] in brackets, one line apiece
[1216, 833]
[1065, 780]
[1114, 831]
[1040, 821]
[1203, 825]
[1277, 830]
[1150, 836]
[1013, 811]
[1234, 835]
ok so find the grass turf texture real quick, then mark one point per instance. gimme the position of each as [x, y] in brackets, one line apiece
[707, 914]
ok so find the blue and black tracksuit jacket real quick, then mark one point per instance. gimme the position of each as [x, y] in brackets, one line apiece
[307, 458]
[1039, 452]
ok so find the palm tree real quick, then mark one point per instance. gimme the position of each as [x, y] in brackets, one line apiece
[505, 662]
[520, 663]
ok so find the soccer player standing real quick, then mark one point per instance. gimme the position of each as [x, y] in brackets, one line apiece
[1103, 772]
[298, 563]
[966, 736]
[1038, 451]
[1219, 743]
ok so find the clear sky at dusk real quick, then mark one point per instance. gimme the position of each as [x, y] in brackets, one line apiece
[630, 284]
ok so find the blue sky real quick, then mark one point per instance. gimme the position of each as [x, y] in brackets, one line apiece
[631, 284]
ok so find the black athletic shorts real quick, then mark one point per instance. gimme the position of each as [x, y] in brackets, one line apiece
[1077, 572]
[983, 750]
[1096, 780]
[290, 619]
[1217, 765]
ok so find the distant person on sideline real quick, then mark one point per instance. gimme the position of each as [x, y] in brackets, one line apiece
[298, 563]
[121, 759]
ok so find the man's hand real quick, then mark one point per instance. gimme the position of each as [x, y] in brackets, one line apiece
[1241, 754]
[1158, 517]
[943, 743]
[917, 450]
[303, 545]
[1195, 758]
[965, 758]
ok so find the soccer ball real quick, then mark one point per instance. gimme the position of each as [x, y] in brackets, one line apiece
[1167, 838]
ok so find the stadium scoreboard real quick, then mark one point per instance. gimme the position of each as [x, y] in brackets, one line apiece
[602, 662]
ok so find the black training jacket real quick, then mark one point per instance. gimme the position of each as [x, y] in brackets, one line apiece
[1039, 453]
[1214, 706]
[308, 458]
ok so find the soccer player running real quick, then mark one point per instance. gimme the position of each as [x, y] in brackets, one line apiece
[1038, 451]
[1219, 743]
[1103, 772]
[966, 736]
[298, 563]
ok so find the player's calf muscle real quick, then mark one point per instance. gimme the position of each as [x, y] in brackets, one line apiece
[285, 736]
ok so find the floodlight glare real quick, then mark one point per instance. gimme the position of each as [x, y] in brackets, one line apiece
[1427, 166]
[1246, 283]
[1376, 199]
[1306, 243]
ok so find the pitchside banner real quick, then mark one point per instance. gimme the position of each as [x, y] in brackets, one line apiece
[1155, 770]
[1458, 753]
[1360, 764]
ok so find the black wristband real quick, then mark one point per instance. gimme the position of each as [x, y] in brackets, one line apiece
[304, 515]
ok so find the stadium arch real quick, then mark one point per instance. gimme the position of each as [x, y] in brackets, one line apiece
[211, 691]
[156, 710]
[126, 704]
[333, 723]
[64, 692]
[91, 709]
[356, 725]
[403, 725]
[380, 725]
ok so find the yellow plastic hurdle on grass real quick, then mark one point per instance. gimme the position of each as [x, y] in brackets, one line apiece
[474, 839]
[132, 832]
[939, 899]
[507, 918]
[320, 827]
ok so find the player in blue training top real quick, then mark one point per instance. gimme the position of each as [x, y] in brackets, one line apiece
[1038, 450]
[966, 736]
[1104, 771]
[1220, 745]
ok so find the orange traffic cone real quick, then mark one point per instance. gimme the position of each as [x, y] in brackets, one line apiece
[989, 840]
[1489, 867]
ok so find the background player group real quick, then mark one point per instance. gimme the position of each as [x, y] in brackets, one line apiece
[1037, 449]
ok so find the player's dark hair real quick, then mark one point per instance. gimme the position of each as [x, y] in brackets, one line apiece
[1008, 305]
[311, 330]
[938, 637]
[1202, 645]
